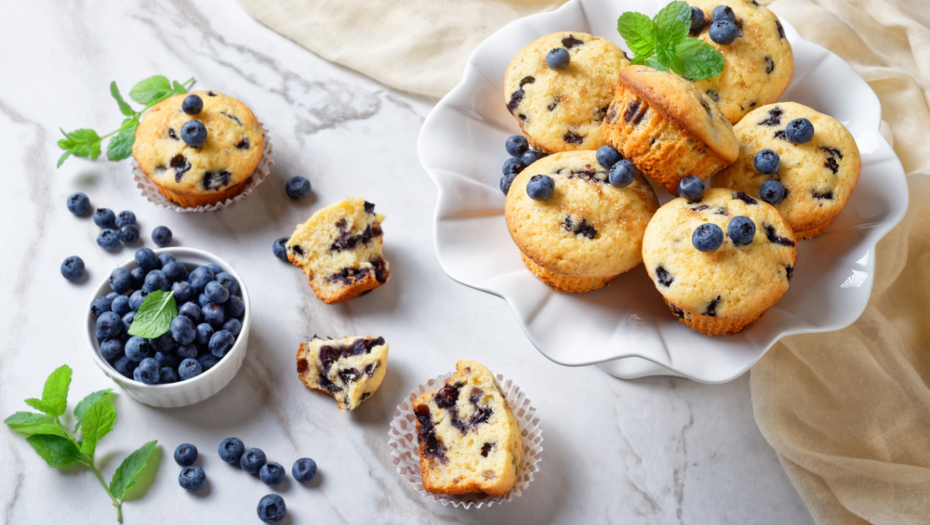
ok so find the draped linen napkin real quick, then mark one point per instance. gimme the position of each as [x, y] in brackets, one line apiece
[848, 412]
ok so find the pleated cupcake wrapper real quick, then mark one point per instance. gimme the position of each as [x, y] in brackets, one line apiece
[150, 191]
[406, 450]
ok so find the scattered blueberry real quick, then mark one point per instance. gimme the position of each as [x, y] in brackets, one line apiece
[199, 278]
[622, 174]
[280, 248]
[108, 239]
[772, 192]
[216, 292]
[530, 157]
[233, 326]
[192, 105]
[297, 187]
[128, 234]
[120, 305]
[271, 508]
[221, 342]
[558, 58]
[78, 204]
[691, 188]
[540, 187]
[304, 470]
[72, 268]
[182, 329]
[271, 474]
[187, 352]
[229, 282]
[723, 32]
[194, 133]
[252, 460]
[192, 478]
[512, 166]
[175, 272]
[136, 299]
[506, 181]
[231, 450]
[156, 280]
[516, 145]
[185, 455]
[799, 131]
[207, 361]
[697, 19]
[104, 218]
[148, 371]
[110, 349]
[147, 260]
[741, 230]
[766, 161]
[191, 311]
[234, 307]
[138, 348]
[99, 305]
[161, 236]
[125, 366]
[214, 314]
[189, 368]
[607, 156]
[707, 237]
[138, 278]
[125, 218]
[723, 12]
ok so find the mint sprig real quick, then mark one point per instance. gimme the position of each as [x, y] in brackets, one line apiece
[94, 416]
[86, 143]
[663, 42]
[154, 315]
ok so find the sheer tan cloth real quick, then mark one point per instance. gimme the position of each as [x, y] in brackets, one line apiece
[848, 412]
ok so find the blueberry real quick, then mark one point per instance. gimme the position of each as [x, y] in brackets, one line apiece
[766, 162]
[203, 300]
[99, 305]
[697, 19]
[165, 258]
[167, 375]
[187, 352]
[214, 314]
[252, 460]
[110, 349]
[271, 474]
[78, 204]
[607, 156]
[191, 312]
[297, 187]
[229, 282]
[156, 280]
[185, 455]
[512, 166]
[72, 268]
[304, 470]
[741, 230]
[231, 450]
[104, 218]
[125, 366]
[109, 325]
[233, 326]
[271, 508]
[164, 343]
[216, 292]
[707, 237]
[120, 280]
[234, 307]
[182, 292]
[111, 296]
[558, 58]
[125, 218]
[108, 239]
[148, 371]
[138, 278]
[166, 359]
[540, 187]
[622, 174]
[192, 105]
[280, 248]
[207, 361]
[691, 188]
[147, 260]
[516, 145]
[127, 321]
[215, 268]
[138, 348]
[772, 192]
[204, 333]
[175, 271]
[120, 305]
[200, 277]
[221, 342]
[506, 181]
[192, 478]
[799, 131]
[194, 133]
[161, 236]
[723, 12]
[136, 299]
[189, 368]
[182, 329]
[723, 32]
[531, 156]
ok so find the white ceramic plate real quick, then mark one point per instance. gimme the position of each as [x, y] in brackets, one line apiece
[626, 326]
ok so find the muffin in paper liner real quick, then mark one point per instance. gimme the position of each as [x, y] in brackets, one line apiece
[406, 450]
[150, 191]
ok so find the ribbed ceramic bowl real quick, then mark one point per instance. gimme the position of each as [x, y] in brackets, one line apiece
[194, 390]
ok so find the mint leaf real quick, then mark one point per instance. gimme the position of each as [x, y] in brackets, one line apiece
[639, 32]
[25, 419]
[89, 400]
[151, 90]
[124, 108]
[654, 63]
[125, 476]
[98, 421]
[179, 89]
[697, 59]
[120, 146]
[673, 23]
[57, 451]
[154, 316]
[81, 143]
[64, 156]
[54, 400]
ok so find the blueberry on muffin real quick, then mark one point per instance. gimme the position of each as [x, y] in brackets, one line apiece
[349, 369]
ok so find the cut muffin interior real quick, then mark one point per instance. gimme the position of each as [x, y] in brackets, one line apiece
[349, 369]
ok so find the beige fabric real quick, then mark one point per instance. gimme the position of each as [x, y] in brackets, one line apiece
[848, 412]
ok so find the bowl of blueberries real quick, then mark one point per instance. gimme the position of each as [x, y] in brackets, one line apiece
[207, 319]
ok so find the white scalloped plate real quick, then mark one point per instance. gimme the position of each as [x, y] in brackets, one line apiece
[626, 326]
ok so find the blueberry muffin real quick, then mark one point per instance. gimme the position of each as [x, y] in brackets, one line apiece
[560, 103]
[339, 249]
[469, 439]
[193, 170]
[759, 62]
[587, 231]
[667, 127]
[817, 176]
[725, 286]
[349, 369]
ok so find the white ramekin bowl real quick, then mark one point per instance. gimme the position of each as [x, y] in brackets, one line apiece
[194, 390]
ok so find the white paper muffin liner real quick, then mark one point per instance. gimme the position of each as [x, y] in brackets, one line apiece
[150, 191]
[406, 451]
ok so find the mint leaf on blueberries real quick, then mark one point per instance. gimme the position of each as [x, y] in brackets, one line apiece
[125, 476]
[673, 23]
[697, 59]
[151, 90]
[155, 315]
[639, 32]
[124, 108]
[57, 451]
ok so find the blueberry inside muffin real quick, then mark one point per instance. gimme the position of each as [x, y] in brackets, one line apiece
[349, 369]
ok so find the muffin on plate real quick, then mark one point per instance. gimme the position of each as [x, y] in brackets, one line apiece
[469, 438]
[758, 63]
[558, 88]
[585, 232]
[668, 127]
[808, 182]
[199, 158]
[719, 262]
[349, 369]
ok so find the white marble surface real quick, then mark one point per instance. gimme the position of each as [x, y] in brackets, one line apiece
[649, 451]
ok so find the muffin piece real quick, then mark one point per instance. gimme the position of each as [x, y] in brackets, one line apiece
[759, 63]
[469, 438]
[725, 290]
[667, 127]
[587, 232]
[560, 110]
[349, 369]
[818, 175]
[217, 170]
[339, 249]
